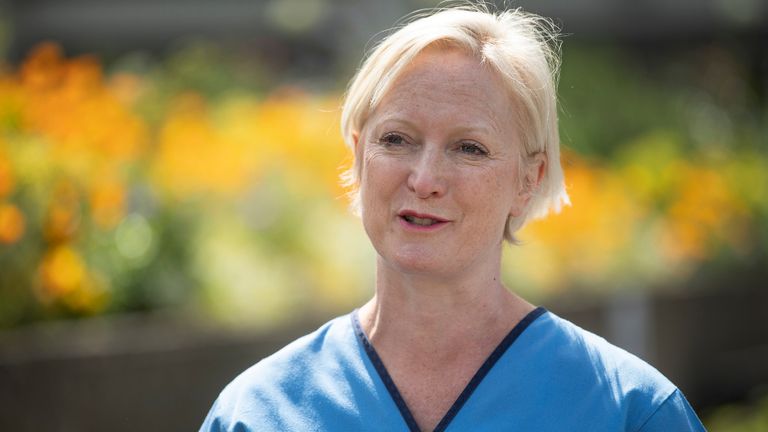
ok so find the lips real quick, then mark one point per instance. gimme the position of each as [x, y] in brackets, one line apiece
[421, 219]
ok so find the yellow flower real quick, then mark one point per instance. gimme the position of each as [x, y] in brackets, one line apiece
[62, 271]
[66, 280]
[11, 102]
[90, 297]
[200, 152]
[303, 132]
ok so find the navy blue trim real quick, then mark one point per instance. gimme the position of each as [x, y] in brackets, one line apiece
[486, 367]
[384, 375]
[505, 343]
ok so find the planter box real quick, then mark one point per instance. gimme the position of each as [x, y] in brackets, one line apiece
[147, 373]
[155, 373]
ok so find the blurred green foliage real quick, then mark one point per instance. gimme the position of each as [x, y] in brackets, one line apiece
[739, 418]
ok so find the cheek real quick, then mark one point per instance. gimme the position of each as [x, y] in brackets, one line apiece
[492, 194]
[368, 174]
[377, 181]
[380, 170]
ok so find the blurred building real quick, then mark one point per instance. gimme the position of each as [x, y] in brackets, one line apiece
[314, 35]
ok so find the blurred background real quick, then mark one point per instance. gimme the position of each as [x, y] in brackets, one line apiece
[170, 210]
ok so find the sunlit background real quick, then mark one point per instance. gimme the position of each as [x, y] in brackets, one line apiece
[170, 209]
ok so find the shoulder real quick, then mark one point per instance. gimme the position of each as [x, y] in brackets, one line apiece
[292, 358]
[675, 413]
[576, 347]
[603, 375]
[266, 392]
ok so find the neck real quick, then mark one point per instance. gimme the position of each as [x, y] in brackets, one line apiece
[435, 312]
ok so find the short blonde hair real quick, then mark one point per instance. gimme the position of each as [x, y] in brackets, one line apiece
[522, 48]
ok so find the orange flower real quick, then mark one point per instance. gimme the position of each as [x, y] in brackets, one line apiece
[588, 237]
[107, 199]
[68, 103]
[12, 224]
[6, 175]
[82, 75]
[63, 217]
[126, 87]
[705, 212]
[43, 68]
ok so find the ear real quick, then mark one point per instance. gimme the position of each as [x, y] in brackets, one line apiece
[533, 168]
[355, 140]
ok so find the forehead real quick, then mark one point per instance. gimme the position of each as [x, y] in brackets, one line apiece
[449, 84]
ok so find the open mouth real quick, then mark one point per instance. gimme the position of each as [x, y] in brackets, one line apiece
[420, 221]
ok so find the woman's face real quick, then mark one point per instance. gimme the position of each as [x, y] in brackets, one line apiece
[439, 173]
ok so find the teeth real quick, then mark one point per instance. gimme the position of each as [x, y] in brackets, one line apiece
[420, 221]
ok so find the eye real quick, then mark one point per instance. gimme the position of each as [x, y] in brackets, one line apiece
[472, 149]
[392, 139]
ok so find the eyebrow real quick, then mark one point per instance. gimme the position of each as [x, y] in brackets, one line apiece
[484, 131]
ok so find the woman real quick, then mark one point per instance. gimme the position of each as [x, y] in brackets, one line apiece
[453, 123]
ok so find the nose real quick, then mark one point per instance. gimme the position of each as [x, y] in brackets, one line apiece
[427, 178]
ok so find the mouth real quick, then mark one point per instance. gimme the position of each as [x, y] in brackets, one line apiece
[421, 220]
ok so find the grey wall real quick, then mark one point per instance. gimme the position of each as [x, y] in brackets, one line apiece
[162, 374]
[340, 26]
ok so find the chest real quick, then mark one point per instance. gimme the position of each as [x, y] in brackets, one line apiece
[431, 389]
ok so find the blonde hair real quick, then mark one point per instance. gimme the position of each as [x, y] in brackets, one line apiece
[522, 48]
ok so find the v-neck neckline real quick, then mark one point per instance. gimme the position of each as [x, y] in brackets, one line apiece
[494, 357]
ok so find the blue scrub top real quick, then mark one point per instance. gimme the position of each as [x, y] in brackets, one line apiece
[546, 375]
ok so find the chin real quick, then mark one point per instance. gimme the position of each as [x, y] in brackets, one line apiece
[412, 261]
